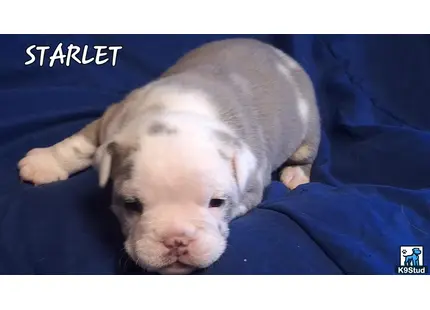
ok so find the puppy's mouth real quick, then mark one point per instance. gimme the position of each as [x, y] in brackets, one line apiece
[177, 268]
[175, 259]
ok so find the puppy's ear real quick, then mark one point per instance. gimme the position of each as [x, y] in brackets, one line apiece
[103, 162]
[112, 160]
[242, 160]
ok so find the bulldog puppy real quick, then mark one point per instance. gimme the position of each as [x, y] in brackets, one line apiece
[194, 149]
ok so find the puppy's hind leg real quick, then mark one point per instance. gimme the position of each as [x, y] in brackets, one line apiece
[299, 165]
[293, 176]
[57, 162]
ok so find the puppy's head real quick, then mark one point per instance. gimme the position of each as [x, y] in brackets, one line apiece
[174, 193]
[416, 251]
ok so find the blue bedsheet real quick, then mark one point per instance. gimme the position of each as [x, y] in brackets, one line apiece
[371, 183]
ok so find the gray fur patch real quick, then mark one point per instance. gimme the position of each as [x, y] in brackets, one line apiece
[227, 138]
[223, 155]
[155, 109]
[122, 166]
[157, 128]
[229, 206]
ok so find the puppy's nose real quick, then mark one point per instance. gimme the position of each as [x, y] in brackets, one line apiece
[176, 242]
[177, 236]
[177, 245]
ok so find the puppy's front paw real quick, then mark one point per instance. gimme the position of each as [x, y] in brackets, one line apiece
[293, 176]
[39, 166]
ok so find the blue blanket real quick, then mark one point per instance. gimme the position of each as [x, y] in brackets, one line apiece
[370, 190]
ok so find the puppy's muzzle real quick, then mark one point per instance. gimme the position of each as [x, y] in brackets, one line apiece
[177, 238]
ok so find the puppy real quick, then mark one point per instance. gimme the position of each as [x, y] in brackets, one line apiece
[194, 149]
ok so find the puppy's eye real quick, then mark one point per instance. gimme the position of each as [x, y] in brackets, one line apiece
[133, 205]
[216, 203]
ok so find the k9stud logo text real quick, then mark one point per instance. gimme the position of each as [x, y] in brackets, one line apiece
[411, 260]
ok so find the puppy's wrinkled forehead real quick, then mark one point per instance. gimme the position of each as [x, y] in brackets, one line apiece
[174, 162]
[159, 128]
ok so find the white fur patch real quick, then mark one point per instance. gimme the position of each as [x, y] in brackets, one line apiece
[40, 166]
[239, 211]
[55, 163]
[240, 81]
[291, 63]
[177, 175]
[303, 106]
[284, 71]
[303, 109]
[245, 163]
